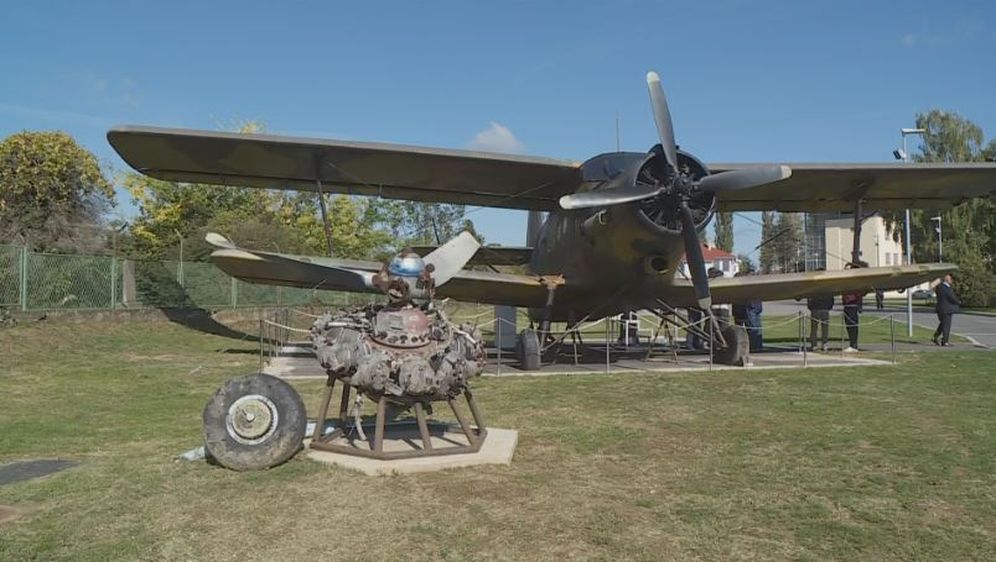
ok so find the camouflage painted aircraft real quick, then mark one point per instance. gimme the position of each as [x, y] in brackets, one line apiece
[615, 229]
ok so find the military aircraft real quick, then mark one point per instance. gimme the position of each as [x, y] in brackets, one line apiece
[604, 236]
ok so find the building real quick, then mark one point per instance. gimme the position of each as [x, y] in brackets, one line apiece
[715, 258]
[877, 246]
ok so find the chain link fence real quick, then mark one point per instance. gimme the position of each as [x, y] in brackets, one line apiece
[32, 281]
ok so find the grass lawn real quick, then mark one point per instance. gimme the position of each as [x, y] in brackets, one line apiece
[885, 463]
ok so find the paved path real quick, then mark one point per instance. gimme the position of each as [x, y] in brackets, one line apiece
[977, 327]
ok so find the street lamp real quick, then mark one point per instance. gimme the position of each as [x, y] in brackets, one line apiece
[940, 242]
[904, 155]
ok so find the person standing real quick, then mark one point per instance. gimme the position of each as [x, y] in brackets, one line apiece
[753, 311]
[819, 319]
[852, 310]
[947, 305]
[879, 299]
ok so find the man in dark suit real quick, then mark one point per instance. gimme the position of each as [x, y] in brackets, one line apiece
[947, 305]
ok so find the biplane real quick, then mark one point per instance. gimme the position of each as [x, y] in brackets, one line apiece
[604, 236]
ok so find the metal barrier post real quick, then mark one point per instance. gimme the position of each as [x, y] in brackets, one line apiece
[712, 337]
[24, 279]
[235, 293]
[261, 342]
[802, 338]
[606, 320]
[892, 332]
[498, 343]
[114, 281]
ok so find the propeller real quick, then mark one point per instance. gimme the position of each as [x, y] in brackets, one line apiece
[693, 255]
[450, 258]
[629, 188]
[662, 118]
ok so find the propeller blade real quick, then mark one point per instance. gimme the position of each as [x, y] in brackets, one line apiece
[744, 178]
[218, 240]
[693, 255]
[662, 117]
[606, 197]
[448, 259]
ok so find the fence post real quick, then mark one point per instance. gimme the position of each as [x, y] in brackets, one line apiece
[24, 278]
[114, 281]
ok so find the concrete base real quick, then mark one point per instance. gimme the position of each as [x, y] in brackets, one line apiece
[498, 448]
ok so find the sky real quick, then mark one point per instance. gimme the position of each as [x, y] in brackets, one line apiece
[747, 81]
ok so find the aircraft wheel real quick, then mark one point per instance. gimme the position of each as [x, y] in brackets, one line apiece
[527, 349]
[737, 346]
[254, 422]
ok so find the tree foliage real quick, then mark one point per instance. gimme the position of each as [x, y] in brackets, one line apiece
[724, 231]
[768, 258]
[50, 188]
[968, 230]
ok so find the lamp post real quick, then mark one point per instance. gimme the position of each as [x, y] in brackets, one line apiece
[940, 242]
[906, 239]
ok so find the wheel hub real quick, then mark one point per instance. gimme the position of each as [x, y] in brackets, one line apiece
[251, 419]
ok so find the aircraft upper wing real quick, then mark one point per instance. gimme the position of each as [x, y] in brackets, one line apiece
[387, 170]
[836, 187]
[779, 286]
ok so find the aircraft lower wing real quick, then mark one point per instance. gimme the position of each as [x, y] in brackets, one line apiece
[333, 274]
[778, 286]
[836, 187]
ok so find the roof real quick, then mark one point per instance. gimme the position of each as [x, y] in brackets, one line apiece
[713, 254]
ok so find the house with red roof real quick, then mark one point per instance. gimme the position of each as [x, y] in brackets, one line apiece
[715, 258]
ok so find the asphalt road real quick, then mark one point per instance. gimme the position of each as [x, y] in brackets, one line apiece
[980, 328]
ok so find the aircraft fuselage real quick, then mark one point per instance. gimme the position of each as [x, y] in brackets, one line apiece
[609, 257]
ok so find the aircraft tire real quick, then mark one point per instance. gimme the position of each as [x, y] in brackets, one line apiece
[527, 350]
[253, 423]
[735, 352]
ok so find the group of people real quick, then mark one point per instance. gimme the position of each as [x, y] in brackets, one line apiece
[947, 304]
[748, 315]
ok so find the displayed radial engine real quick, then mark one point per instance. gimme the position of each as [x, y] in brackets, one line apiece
[406, 352]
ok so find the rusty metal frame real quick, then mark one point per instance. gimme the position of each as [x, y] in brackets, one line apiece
[475, 435]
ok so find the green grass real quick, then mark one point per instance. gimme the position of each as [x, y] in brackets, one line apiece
[885, 463]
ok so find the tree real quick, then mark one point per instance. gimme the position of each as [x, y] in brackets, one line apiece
[787, 245]
[746, 265]
[969, 229]
[50, 189]
[724, 231]
[768, 257]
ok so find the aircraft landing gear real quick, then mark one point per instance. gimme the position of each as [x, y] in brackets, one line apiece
[736, 348]
[528, 350]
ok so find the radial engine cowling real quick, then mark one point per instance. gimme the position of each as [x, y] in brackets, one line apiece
[663, 211]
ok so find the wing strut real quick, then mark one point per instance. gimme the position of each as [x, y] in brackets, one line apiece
[321, 203]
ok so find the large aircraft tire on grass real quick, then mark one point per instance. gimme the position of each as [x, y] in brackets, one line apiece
[253, 423]
[527, 350]
[737, 346]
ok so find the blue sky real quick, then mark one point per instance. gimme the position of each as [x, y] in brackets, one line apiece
[747, 81]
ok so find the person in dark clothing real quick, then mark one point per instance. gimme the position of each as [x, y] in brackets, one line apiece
[947, 305]
[753, 310]
[879, 299]
[819, 319]
[852, 309]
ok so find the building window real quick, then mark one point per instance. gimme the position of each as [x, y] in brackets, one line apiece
[888, 258]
